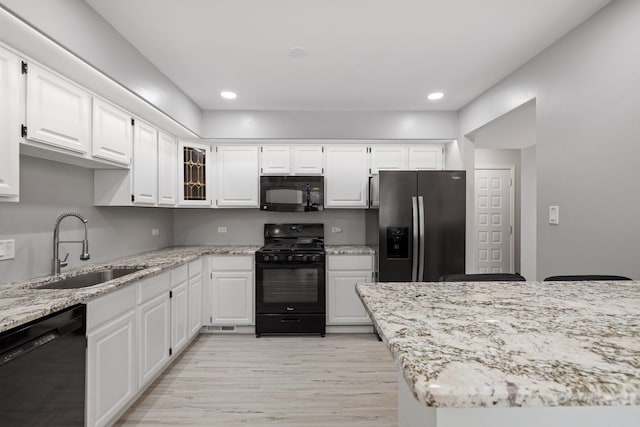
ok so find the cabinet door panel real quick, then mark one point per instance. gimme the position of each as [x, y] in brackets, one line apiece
[347, 177]
[308, 160]
[58, 112]
[275, 160]
[112, 133]
[154, 337]
[145, 164]
[232, 298]
[179, 316]
[426, 158]
[389, 157]
[195, 304]
[111, 369]
[167, 170]
[9, 124]
[238, 177]
[345, 308]
[195, 186]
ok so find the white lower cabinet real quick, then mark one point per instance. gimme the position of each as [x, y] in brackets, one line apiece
[231, 290]
[112, 379]
[153, 318]
[179, 308]
[343, 273]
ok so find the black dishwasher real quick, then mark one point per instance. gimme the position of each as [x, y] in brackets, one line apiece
[42, 371]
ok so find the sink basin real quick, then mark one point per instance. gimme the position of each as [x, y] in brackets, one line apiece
[90, 279]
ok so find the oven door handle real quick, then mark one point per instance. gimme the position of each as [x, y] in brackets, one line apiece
[290, 320]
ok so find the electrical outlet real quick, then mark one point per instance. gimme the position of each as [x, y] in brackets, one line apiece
[222, 229]
[155, 231]
[554, 215]
[7, 249]
[336, 230]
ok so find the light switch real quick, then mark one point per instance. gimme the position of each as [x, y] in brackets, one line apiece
[7, 249]
[554, 215]
[222, 229]
[155, 231]
[336, 230]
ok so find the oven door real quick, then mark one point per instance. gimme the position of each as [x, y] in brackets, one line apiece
[291, 193]
[290, 288]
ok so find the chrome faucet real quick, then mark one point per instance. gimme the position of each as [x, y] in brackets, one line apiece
[56, 263]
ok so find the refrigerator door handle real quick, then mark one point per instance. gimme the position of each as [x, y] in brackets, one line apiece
[422, 223]
[415, 254]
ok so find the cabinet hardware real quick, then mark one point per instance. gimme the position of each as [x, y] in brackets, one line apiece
[323, 149]
[261, 170]
[23, 131]
[170, 294]
[133, 198]
[261, 149]
[24, 67]
[170, 351]
[133, 122]
[322, 170]
[211, 319]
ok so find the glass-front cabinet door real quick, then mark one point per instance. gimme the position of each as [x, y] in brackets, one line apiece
[195, 186]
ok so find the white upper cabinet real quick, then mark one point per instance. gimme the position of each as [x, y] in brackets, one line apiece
[195, 185]
[167, 170]
[308, 160]
[112, 132]
[426, 157]
[145, 164]
[275, 160]
[346, 176]
[9, 126]
[58, 112]
[237, 177]
[389, 157]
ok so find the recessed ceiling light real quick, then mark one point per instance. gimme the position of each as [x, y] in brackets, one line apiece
[297, 52]
[228, 95]
[435, 96]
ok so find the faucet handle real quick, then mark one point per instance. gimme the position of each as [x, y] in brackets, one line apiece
[64, 262]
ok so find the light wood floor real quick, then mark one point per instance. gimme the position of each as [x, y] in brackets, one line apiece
[341, 380]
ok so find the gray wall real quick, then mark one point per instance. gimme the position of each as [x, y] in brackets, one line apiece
[330, 124]
[48, 189]
[76, 26]
[245, 226]
[586, 88]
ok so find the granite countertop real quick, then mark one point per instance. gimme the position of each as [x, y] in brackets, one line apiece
[512, 344]
[349, 250]
[22, 302]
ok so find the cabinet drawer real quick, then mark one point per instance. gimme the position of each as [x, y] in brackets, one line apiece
[195, 267]
[154, 286]
[350, 262]
[110, 306]
[232, 263]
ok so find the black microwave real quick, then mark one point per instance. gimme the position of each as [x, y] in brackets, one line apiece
[292, 193]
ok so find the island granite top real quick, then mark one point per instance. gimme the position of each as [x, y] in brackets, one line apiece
[512, 344]
[22, 302]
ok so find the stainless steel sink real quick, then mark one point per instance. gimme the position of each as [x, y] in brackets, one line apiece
[90, 279]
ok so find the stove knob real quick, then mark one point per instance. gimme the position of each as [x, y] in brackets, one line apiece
[290, 258]
[265, 258]
[304, 257]
[275, 257]
[314, 258]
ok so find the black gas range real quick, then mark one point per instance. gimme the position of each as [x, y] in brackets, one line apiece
[290, 280]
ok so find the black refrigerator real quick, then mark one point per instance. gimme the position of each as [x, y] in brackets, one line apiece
[421, 225]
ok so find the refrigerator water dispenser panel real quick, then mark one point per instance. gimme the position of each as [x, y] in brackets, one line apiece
[398, 242]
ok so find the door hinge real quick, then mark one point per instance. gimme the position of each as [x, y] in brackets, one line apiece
[322, 170]
[211, 319]
[261, 170]
[511, 229]
[170, 351]
[322, 149]
[133, 198]
[369, 171]
[261, 149]
[211, 275]
[24, 67]
[216, 202]
[133, 121]
[216, 149]
[23, 131]
[170, 294]
[510, 182]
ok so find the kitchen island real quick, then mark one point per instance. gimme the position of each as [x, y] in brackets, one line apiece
[512, 354]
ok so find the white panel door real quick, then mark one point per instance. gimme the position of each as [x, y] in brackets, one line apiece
[167, 170]
[111, 368]
[238, 177]
[58, 112]
[9, 126]
[112, 132]
[231, 298]
[154, 338]
[389, 157]
[275, 160]
[145, 164]
[195, 304]
[308, 160]
[346, 176]
[344, 306]
[426, 157]
[179, 315]
[494, 221]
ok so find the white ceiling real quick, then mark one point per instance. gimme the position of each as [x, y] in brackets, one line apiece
[362, 54]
